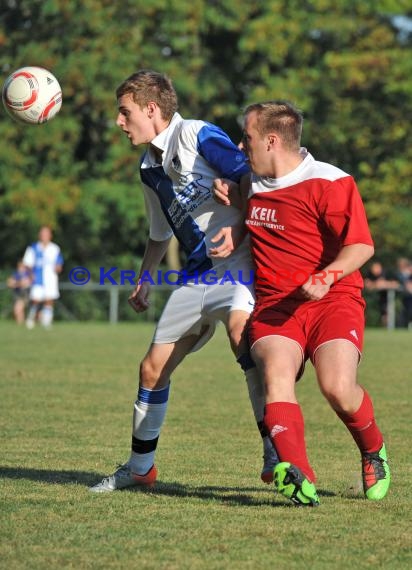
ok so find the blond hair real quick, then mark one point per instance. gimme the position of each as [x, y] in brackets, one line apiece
[147, 85]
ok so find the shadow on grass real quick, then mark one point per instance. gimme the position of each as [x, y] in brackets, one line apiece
[228, 495]
[59, 477]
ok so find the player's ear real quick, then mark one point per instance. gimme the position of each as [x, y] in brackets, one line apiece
[151, 108]
[271, 141]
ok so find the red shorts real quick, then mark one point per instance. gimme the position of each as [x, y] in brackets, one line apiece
[311, 323]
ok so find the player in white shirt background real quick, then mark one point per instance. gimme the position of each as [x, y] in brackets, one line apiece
[182, 159]
[45, 261]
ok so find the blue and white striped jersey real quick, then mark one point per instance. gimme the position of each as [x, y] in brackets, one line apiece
[178, 191]
[43, 261]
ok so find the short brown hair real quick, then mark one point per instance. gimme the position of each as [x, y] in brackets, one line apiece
[147, 85]
[281, 117]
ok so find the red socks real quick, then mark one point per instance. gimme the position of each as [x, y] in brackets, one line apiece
[285, 426]
[362, 426]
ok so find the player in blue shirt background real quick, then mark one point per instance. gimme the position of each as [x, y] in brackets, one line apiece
[45, 261]
[20, 282]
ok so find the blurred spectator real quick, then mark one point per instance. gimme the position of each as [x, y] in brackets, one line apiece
[20, 282]
[376, 279]
[45, 261]
[404, 276]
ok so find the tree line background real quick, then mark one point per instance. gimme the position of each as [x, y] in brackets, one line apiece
[346, 63]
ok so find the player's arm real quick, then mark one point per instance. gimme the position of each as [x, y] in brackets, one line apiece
[153, 255]
[12, 282]
[59, 263]
[157, 243]
[343, 213]
[29, 259]
[230, 237]
[221, 153]
[226, 158]
[28, 262]
[227, 192]
[350, 258]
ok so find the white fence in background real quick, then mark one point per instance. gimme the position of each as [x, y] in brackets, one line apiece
[391, 308]
[114, 293]
[150, 315]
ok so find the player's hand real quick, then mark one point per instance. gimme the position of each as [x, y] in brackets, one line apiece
[226, 192]
[230, 237]
[220, 191]
[139, 299]
[315, 288]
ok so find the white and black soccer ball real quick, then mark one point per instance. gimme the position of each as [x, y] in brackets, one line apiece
[32, 95]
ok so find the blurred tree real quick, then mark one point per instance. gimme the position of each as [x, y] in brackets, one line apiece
[346, 63]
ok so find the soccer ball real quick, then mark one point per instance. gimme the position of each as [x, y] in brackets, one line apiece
[32, 95]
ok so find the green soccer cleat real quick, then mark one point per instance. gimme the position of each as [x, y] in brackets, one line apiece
[292, 483]
[376, 476]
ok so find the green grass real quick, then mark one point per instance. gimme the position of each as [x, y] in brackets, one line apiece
[66, 400]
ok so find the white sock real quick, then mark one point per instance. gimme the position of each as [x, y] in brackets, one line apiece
[31, 317]
[46, 316]
[148, 417]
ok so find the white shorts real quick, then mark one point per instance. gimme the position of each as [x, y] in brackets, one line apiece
[42, 293]
[196, 309]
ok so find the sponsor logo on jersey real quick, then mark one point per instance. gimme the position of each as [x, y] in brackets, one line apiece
[264, 217]
[190, 193]
[263, 214]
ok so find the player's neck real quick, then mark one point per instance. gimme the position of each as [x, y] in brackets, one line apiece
[160, 124]
[286, 163]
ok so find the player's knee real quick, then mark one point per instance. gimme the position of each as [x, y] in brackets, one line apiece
[149, 375]
[338, 394]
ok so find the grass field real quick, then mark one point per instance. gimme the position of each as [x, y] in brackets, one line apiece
[66, 400]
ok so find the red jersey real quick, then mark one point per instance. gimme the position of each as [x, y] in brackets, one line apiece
[299, 223]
